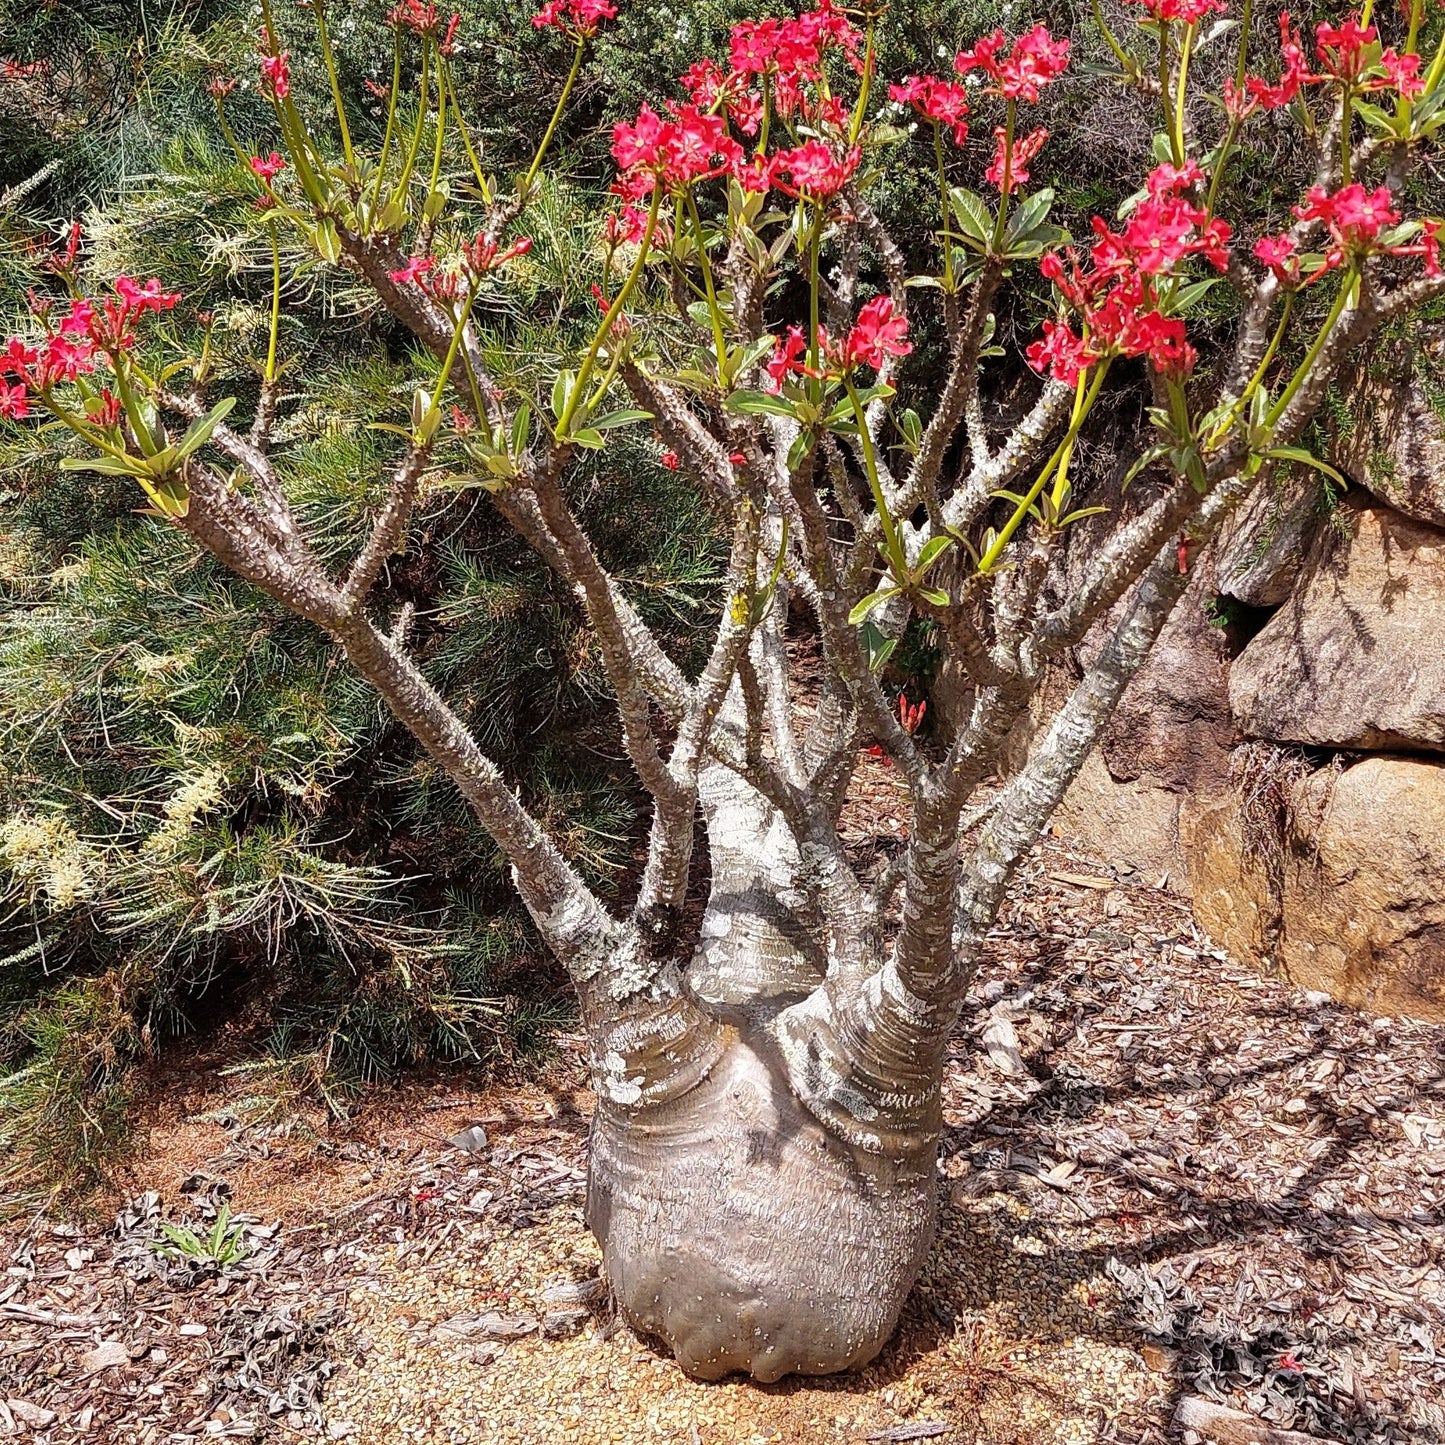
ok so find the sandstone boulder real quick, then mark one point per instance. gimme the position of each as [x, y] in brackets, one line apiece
[1393, 442]
[1354, 660]
[1133, 826]
[1228, 889]
[1262, 547]
[1357, 910]
[1173, 728]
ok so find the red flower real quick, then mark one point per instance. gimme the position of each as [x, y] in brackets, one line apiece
[1161, 339]
[814, 171]
[105, 409]
[1024, 150]
[1353, 216]
[738, 459]
[787, 359]
[578, 18]
[1296, 72]
[149, 297]
[670, 460]
[221, 87]
[1288, 1362]
[691, 147]
[415, 268]
[1401, 73]
[878, 333]
[945, 102]
[1191, 12]
[269, 168]
[1341, 49]
[448, 43]
[419, 18]
[1061, 353]
[276, 75]
[1278, 253]
[1037, 59]
[482, 255]
[910, 714]
[18, 358]
[14, 402]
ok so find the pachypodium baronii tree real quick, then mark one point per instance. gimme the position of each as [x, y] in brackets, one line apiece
[763, 1153]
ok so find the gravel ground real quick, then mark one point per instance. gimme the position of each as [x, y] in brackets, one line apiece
[1164, 1180]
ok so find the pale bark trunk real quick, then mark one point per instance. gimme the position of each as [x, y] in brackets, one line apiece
[734, 1225]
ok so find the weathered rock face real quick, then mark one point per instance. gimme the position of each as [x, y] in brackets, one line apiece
[1262, 547]
[1173, 727]
[1228, 889]
[1353, 659]
[1132, 825]
[1358, 910]
[1395, 445]
[1169, 738]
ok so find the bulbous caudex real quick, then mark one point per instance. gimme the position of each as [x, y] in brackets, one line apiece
[744, 1234]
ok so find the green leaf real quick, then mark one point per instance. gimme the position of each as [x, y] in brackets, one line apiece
[1148, 459]
[107, 466]
[872, 600]
[932, 549]
[758, 403]
[561, 390]
[1186, 296]
[1032, 212]
[199, 431]
[521, 429]
[933, 595]
[620, 418]
[328, 243]
[802, 444]
[880, 647]
[1302, 457]
[392, 217]
[973, 216]
[590, 438]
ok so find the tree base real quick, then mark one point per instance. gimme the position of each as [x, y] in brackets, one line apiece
[736, 1229]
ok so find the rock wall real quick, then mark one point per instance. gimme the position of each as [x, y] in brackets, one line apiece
[1328, 867]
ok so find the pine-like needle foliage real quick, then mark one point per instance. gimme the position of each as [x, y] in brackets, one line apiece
[204, 815]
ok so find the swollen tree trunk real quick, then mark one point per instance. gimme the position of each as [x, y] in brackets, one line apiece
[733, 1223]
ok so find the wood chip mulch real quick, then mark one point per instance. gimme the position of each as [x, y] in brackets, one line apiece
[1170, 1188]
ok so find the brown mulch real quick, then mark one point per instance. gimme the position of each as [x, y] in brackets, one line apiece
[1163, 1178]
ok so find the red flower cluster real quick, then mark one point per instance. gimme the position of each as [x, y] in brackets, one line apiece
[267, 168]
[221, 87]
[1035, 60]
[1115, 300]
[477, 259]
[811, 170]
[910, 714]
[945, 102]
[791, 51]
[74, 346]
[1023, 152]
[877, 334]
[276, 75]
[692, 146]
[1348, 55]
[577, 18]
[1191, 12]
[414, 16]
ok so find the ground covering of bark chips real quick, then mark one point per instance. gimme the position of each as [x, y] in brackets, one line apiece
[1171, 1190]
